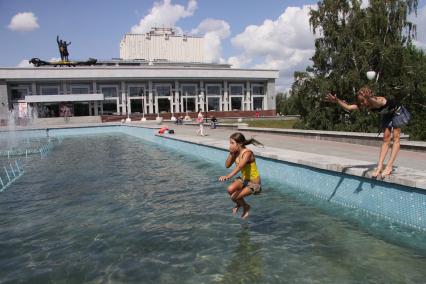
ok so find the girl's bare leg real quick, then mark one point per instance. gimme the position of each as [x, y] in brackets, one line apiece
[232, 189]
[383, 150]
[239, 196]
[394, 153]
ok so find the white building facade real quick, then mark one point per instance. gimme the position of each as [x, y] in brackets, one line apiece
[162, 44]
[129, 87]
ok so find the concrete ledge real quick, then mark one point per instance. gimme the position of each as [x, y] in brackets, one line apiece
[369, 139]
[402, 176]
[219, 125]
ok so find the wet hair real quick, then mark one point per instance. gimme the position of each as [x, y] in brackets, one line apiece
[365, 92]
[240, 139]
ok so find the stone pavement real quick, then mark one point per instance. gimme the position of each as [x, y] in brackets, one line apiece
[353, 159]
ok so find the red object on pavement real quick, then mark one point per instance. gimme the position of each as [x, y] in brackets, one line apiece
[162, 130]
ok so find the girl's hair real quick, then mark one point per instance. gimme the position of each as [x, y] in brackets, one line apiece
[240, 139]
[365, 92]
[199, 110]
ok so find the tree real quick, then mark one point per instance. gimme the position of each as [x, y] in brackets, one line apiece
[350, 41]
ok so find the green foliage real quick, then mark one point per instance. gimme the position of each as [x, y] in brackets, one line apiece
[287, 104]
[268, 123]
[350, 41]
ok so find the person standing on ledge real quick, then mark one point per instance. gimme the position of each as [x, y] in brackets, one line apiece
[249, 182]
[394, 116]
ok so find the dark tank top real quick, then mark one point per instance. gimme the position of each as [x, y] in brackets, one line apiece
[389, 108]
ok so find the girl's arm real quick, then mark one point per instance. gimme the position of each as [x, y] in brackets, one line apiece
[334, 99]
[245, 159]
[230, 159]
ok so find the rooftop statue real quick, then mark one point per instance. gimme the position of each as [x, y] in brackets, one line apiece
[63, 50]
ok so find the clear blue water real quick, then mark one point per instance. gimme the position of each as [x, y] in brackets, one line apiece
[110, 208]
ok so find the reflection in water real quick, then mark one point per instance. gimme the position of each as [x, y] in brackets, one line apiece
[245, 265]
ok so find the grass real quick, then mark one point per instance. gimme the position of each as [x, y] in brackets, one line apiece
[272, 123]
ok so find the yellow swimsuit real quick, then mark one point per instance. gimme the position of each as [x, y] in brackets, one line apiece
[249, 171]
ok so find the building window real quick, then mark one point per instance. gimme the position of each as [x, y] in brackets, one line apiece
[163, 91]
[79, 90]
[188, 104]
[257, 103]
[213, 104]
[257, 90]
[163, 105]
[236, 103]
[189, 90]
[109, 107]
[19, 93]
[213, 90]
[109, 91]
[136, 91]
[47, 91]
[236, 90]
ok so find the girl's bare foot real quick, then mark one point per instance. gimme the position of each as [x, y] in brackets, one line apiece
[246, 211]
[235, 209]
[376, 173]
[387, 172]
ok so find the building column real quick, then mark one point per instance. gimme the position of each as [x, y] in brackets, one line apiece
[270, 95]
[4, 100]
[150, 97]
[125, 108]
[177, 100]
[201, 96]
[95, 103]
[225, 96]
[33, 88]
[247, 97]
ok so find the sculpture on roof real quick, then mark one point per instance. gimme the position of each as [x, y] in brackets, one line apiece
[63, 50]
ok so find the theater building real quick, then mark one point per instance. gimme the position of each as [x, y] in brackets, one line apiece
[139, 83]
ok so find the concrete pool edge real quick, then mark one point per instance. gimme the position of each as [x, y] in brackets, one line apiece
[402, 176]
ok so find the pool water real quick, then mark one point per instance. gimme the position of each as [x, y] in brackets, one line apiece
[110, 208]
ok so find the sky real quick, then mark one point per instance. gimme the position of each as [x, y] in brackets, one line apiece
[267, 34]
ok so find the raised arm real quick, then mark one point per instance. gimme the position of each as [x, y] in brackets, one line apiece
[57, 39]
[245, 159]
[230, 160]
[333, 98]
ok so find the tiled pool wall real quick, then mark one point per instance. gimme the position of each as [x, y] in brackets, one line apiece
[400, 204]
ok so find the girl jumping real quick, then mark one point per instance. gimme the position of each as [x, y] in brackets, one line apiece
[249, 182]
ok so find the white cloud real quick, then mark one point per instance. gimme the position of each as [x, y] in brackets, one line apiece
[285, 44]
[213, 31]
[23, 22]
[238, 61]
[164, 14]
